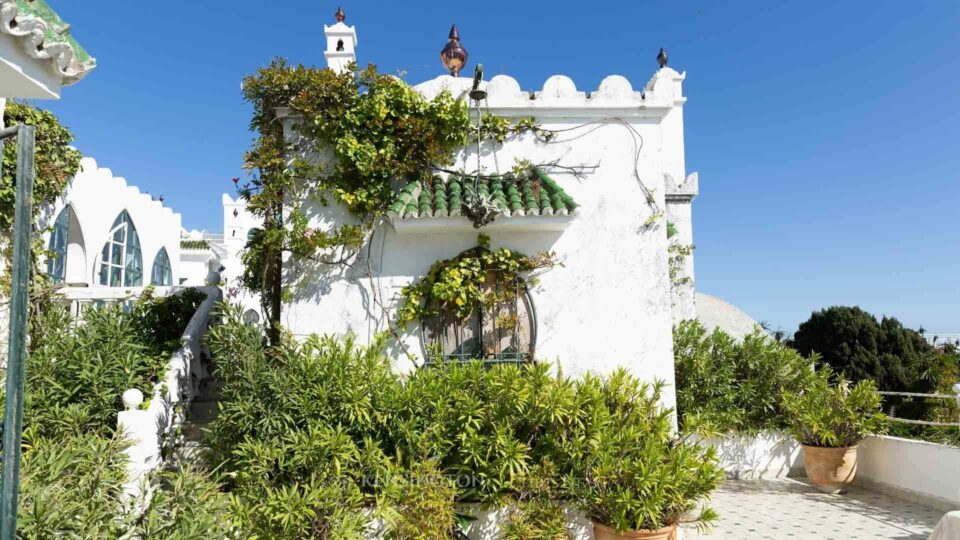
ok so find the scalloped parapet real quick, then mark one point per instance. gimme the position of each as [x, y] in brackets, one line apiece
[615, 95]
[91, 170]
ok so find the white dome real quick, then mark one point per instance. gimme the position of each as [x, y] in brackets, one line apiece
[713, 313]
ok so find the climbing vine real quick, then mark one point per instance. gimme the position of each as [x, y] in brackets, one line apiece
[477, 277]
[374, 130]
[55, 161]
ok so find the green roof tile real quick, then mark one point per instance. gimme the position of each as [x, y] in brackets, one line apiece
[532, 193]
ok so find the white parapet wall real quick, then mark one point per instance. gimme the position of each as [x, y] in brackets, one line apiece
[922, 472]
[771, 454]
[919, 471]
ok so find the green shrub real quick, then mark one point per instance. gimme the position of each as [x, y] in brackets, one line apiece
[852, 342]
[725, 385]
[189, 506]
[302, 424]
[635, 475]
[73, 465]
[417, 504]
[71, 487]
[833, 415]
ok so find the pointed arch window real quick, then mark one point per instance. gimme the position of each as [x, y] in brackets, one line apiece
[162, 275]
[121, 263]
[57, 262]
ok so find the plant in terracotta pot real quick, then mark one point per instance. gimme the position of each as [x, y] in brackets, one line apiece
[636, 479]
[830, 419]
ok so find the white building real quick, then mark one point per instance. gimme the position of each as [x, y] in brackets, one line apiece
[611, 303]
[105, 232]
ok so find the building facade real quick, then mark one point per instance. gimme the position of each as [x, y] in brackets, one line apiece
[612, 303]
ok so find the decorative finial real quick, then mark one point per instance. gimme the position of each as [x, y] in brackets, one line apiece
[662, 58]
[453, 55]
[341, 16]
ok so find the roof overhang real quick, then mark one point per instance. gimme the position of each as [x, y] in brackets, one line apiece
[456, 225]
[38, 56]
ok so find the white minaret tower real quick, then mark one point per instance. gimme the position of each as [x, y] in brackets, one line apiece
[341, 44]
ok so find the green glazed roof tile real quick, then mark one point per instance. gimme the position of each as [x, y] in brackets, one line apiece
[25, 19]
[532, 193]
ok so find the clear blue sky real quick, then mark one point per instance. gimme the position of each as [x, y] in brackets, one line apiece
[826, 134]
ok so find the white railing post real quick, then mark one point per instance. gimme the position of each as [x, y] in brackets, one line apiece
[143, 454]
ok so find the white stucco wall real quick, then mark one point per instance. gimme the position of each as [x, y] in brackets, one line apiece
[609, 305]
[97, 198]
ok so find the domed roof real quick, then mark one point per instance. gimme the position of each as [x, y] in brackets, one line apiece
[716, 313]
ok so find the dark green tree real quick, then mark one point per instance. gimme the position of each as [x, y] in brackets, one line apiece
[854, 343]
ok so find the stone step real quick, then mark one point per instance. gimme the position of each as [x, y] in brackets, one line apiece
[189, 453]
[202, 412]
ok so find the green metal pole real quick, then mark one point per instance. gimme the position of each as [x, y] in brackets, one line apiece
[20, 297]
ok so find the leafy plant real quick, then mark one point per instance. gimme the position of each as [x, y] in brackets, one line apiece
[635, 475]
[854, 343]
[417, 504]
[833, 415]
[725, 385]
[56, 161]
[476, 277]
[188, 506]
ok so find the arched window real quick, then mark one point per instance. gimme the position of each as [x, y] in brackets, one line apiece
[162, 275]
[503, 330]
[57, 263]
[121, 263]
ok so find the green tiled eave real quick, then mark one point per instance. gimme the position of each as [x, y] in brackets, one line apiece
[194, 245]
[22, 18]
[532, 193]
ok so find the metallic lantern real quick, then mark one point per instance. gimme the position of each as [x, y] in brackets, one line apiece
[453, 55]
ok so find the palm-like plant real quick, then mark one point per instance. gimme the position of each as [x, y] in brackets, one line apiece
[833, 414]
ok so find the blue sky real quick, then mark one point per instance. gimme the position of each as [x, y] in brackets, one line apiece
[827, 135]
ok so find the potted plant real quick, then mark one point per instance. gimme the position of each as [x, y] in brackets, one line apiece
[829, 420]
[637, 480]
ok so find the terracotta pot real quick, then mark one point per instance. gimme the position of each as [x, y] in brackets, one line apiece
[602, 532]
[832, 470]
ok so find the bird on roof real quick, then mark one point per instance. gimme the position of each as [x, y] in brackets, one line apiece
[662, 58]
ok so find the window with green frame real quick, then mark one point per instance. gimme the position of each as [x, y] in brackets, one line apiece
[57, 261]
[121, 263]
[162, 275]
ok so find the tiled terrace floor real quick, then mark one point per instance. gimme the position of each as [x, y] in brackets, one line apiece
[788, 508]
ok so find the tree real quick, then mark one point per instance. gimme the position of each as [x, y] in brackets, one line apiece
[854, 343]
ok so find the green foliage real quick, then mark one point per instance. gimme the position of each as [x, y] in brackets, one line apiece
[189, 506]
[457, 286]
[325, 420]
[55, 163]
[633, 474]
[853, 343]
[77, 373]
[418, 504]
[372, 129]
[71, 487]
[725, 385]
[834, 415]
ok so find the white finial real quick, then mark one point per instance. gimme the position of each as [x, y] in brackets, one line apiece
[132, 399]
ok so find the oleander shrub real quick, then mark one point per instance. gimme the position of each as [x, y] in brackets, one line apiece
[726, 385]
[73, 466]
[313, 437]
[77, 372]
[832, 412]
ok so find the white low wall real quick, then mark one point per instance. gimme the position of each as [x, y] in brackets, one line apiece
[765, 455]
[922, 472]
[918, 471]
